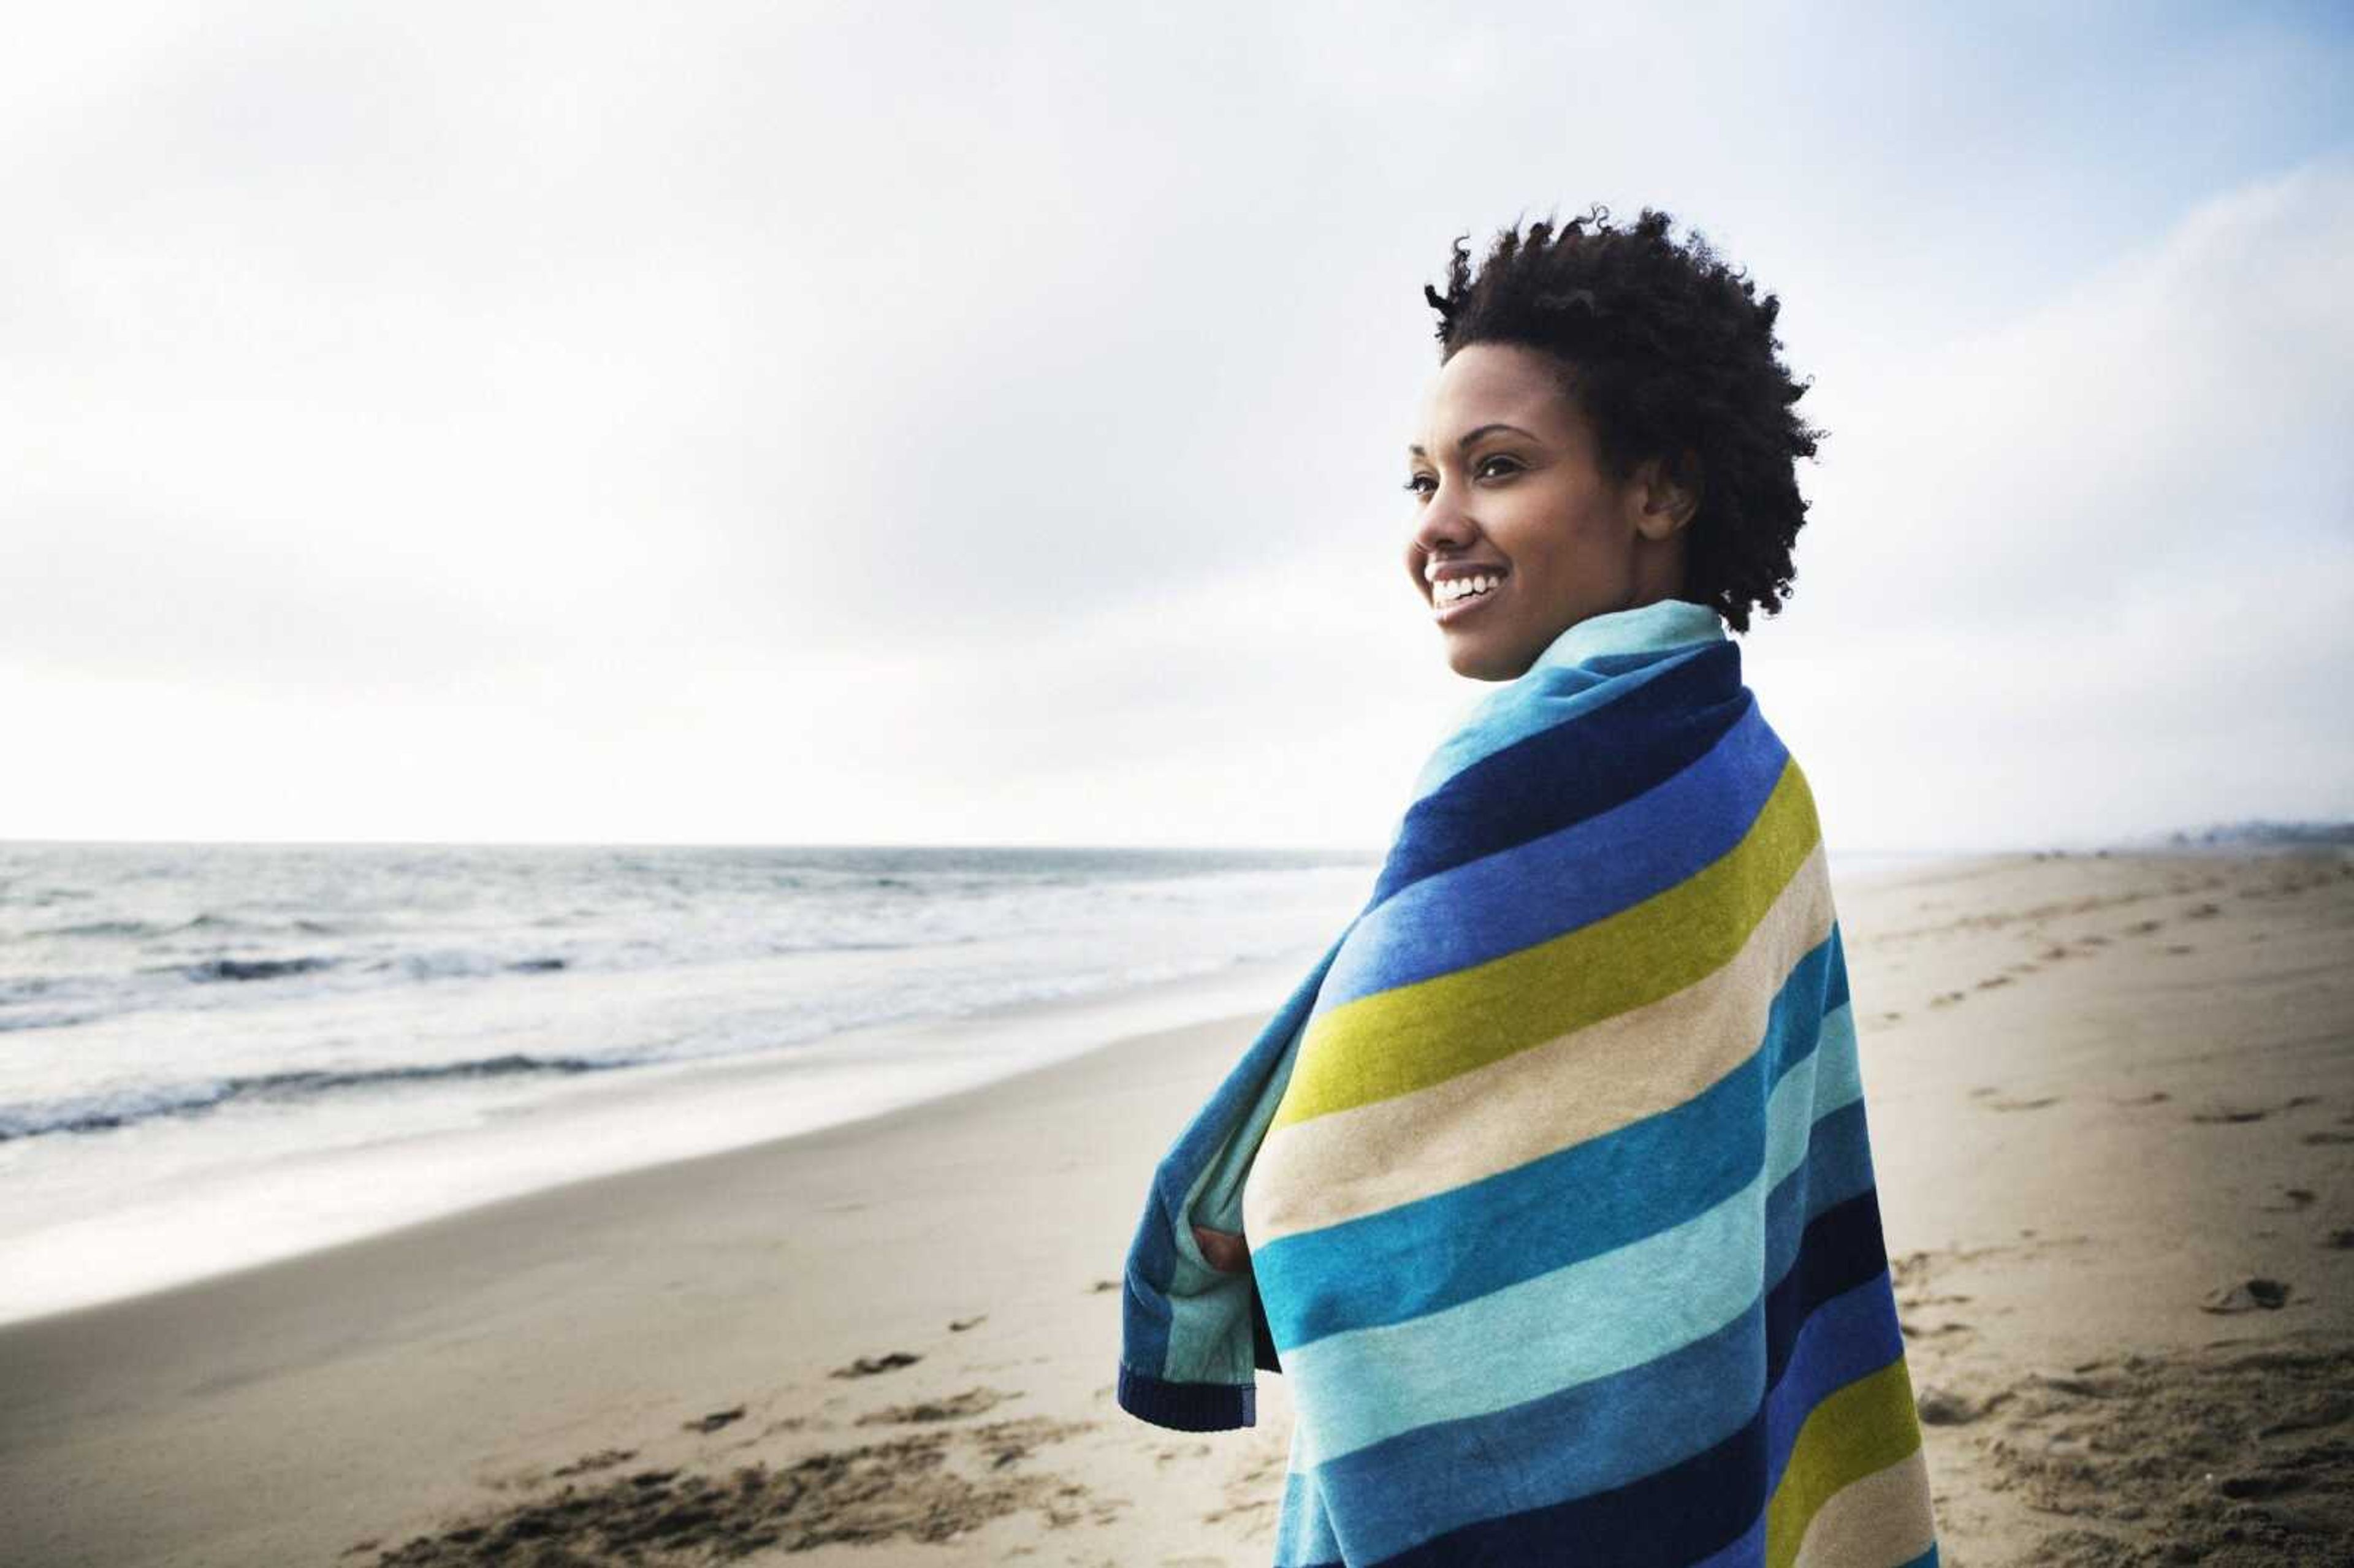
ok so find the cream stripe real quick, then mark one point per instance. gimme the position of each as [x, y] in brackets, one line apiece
[1882, 1520]
[1348, 1163]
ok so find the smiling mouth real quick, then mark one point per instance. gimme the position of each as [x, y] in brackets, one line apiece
[1455, 597]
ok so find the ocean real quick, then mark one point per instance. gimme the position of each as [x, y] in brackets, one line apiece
[212, 1055]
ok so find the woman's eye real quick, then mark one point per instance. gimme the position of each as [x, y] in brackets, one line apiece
[1488, 468]
[1415, 484]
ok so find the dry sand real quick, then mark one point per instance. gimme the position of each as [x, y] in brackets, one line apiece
[2113, 1113]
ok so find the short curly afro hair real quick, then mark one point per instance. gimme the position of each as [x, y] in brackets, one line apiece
[1666, 354]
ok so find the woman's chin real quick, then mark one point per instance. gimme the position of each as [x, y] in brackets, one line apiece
[1481, 658]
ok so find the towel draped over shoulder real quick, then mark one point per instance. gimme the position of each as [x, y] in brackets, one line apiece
[1553, 1170]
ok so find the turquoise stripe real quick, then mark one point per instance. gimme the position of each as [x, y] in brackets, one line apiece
[1590, 1319]
[1575, 1203]
[1303, 1526]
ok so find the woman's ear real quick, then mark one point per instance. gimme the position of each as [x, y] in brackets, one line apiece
[1669, 497]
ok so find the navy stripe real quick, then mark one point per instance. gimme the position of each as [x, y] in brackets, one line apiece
[1186, 1407]
[1564, 773]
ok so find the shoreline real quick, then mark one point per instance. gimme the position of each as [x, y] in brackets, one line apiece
[2097, 1084]
[672, 1112]
[665, 1112]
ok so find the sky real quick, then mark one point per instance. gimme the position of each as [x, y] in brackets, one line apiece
[958, 424]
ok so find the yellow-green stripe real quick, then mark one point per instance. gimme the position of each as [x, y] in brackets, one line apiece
[1399, 1041]
[1856, 1432]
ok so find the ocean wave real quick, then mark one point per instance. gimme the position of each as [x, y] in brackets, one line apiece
[98, 928]
[10, 1021]
[257, 968]
[105, 1113]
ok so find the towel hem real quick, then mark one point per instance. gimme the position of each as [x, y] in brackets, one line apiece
[1186, 1407]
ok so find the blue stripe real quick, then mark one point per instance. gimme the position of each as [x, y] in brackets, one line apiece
[1568, 879]
[1562, 1208]
[1570, 771]
[1835, 993]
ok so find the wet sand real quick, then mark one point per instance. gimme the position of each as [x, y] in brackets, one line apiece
[2112, 1101]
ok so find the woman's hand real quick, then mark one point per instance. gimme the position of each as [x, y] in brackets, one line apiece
[1225, 1251]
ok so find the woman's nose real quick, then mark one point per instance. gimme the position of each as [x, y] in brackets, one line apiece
[1442, 525]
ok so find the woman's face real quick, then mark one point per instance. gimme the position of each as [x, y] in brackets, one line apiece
[1507, 487]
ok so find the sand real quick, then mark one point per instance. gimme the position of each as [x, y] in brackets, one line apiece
[2112, 1101]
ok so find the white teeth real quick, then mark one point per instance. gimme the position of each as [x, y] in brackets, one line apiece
[1453, 589]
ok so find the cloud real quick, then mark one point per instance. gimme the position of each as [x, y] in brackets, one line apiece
[828, 423]
[2088, 572]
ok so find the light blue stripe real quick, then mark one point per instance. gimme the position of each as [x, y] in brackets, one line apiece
[1574, 1204]
[1565, 880]
[1589, 1320]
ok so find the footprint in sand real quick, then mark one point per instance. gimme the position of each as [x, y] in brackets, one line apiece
[1947, 1407]
[2293, 1198]
[2154, 1097]
[1947, 999]
[898, 1491]
[2235, 1113]
[867, 1366]
[1913, 1330]
[714, 1420]
[2328, 1138]
[2246, 1296]
[2007, 1104]
[1989, 984]
[971, 1401]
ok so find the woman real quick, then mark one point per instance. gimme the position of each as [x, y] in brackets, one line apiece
[1549, 1189]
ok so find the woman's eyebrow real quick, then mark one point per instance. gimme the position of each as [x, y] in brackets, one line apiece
[1470, 436]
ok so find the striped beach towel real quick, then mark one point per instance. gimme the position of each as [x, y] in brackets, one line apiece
[1553, 1171]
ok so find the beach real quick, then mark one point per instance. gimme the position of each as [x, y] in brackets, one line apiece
[2112, 1108]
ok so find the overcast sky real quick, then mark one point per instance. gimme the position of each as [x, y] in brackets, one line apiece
[984, 424]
